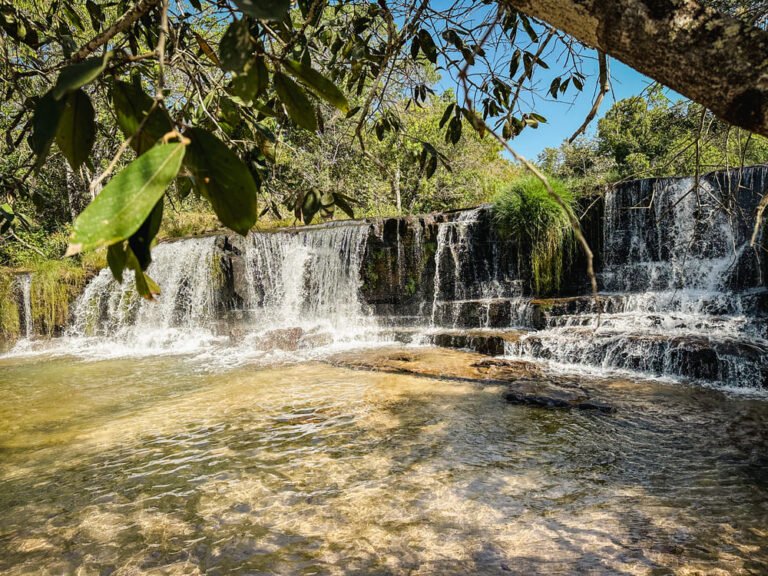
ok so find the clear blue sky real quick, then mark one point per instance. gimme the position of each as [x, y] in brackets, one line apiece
[565, 116]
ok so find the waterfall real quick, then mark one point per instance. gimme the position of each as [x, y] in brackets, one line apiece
[24, 282]
[680, 288]
[469, 271]
[682, 291]
[189, 275]
[308, 279]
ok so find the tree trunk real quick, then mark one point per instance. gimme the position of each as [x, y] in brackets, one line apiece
[711, 58]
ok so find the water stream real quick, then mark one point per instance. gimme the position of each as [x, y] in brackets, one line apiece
[167, 465]
[209, 433]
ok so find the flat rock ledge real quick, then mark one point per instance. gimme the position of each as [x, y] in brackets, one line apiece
[526, 384]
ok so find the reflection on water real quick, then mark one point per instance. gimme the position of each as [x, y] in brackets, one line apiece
[156, 465]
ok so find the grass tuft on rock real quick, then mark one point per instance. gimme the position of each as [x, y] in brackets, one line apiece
[525, 212]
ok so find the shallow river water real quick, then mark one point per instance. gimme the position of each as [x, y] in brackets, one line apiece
[164, 466]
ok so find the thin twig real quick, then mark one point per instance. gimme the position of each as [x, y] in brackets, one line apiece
[605, 87]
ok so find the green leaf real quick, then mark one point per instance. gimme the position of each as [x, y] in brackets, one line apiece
[318, 83]
[45, 123]
[297, 104]
[78, 75]
[145, 286]
[340, 201]
[528, 28]
[265, 9]
[95, 13]
[206, 48]
[131, 106]
[236, 46]
[116, 258]
[447, 113]
[141, 240]
[428, 46]
[124, 204]
[74, 17]
[77, 129]
[310, 206]
[251, 83]
[223, 179]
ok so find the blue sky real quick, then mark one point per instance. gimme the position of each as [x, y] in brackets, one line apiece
[565, 116]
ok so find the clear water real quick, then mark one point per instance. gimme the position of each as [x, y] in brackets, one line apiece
[171, 465]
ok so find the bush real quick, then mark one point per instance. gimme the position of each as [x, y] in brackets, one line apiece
[525, 212]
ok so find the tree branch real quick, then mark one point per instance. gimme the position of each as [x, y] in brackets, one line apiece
[605, 87]
[121, 25]
[712, 58]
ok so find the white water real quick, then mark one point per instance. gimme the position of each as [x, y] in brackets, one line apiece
[308, 280]
[668, 306]
[467, 269]
[25, 285]
[300, 293]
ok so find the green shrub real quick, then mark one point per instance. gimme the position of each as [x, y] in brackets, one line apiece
[525, 212]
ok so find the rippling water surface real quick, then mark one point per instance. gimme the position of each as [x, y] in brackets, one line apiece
[159, 465]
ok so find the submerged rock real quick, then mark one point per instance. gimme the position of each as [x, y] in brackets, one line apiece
[550, 394]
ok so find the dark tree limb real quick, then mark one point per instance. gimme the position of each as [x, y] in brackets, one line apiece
[709, 57]
[121, 25]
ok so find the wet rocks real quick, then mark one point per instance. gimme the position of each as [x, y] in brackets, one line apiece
[435, 363]
[282, 339]
[550, 394]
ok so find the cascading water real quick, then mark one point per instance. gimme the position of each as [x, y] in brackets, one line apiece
[308, 280]
[189, 274]
[468, 268]
[24, 282]
[673, 256]
[682, 293]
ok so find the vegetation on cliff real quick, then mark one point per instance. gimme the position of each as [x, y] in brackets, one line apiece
[541, 228]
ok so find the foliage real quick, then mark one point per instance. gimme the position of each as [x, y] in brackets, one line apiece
[90, 89]
[651, 136]
[526, 212]
[55, 285]
[230, 79]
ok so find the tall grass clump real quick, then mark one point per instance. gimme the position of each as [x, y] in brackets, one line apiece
[526, 213]
[9, 311]
[55, 285]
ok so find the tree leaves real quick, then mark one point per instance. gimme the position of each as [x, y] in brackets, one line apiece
[206, 48]
[141, 240]
[318, 83]
[251, 82]
[428, 46]
[77, 131]
[132, 105]
[223, 179]
[127, 200]
[45, 124]
[236, 46]
[78, 75]
[294, 99]
[265, 9]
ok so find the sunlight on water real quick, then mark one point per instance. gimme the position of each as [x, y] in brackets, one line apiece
[166, 466]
